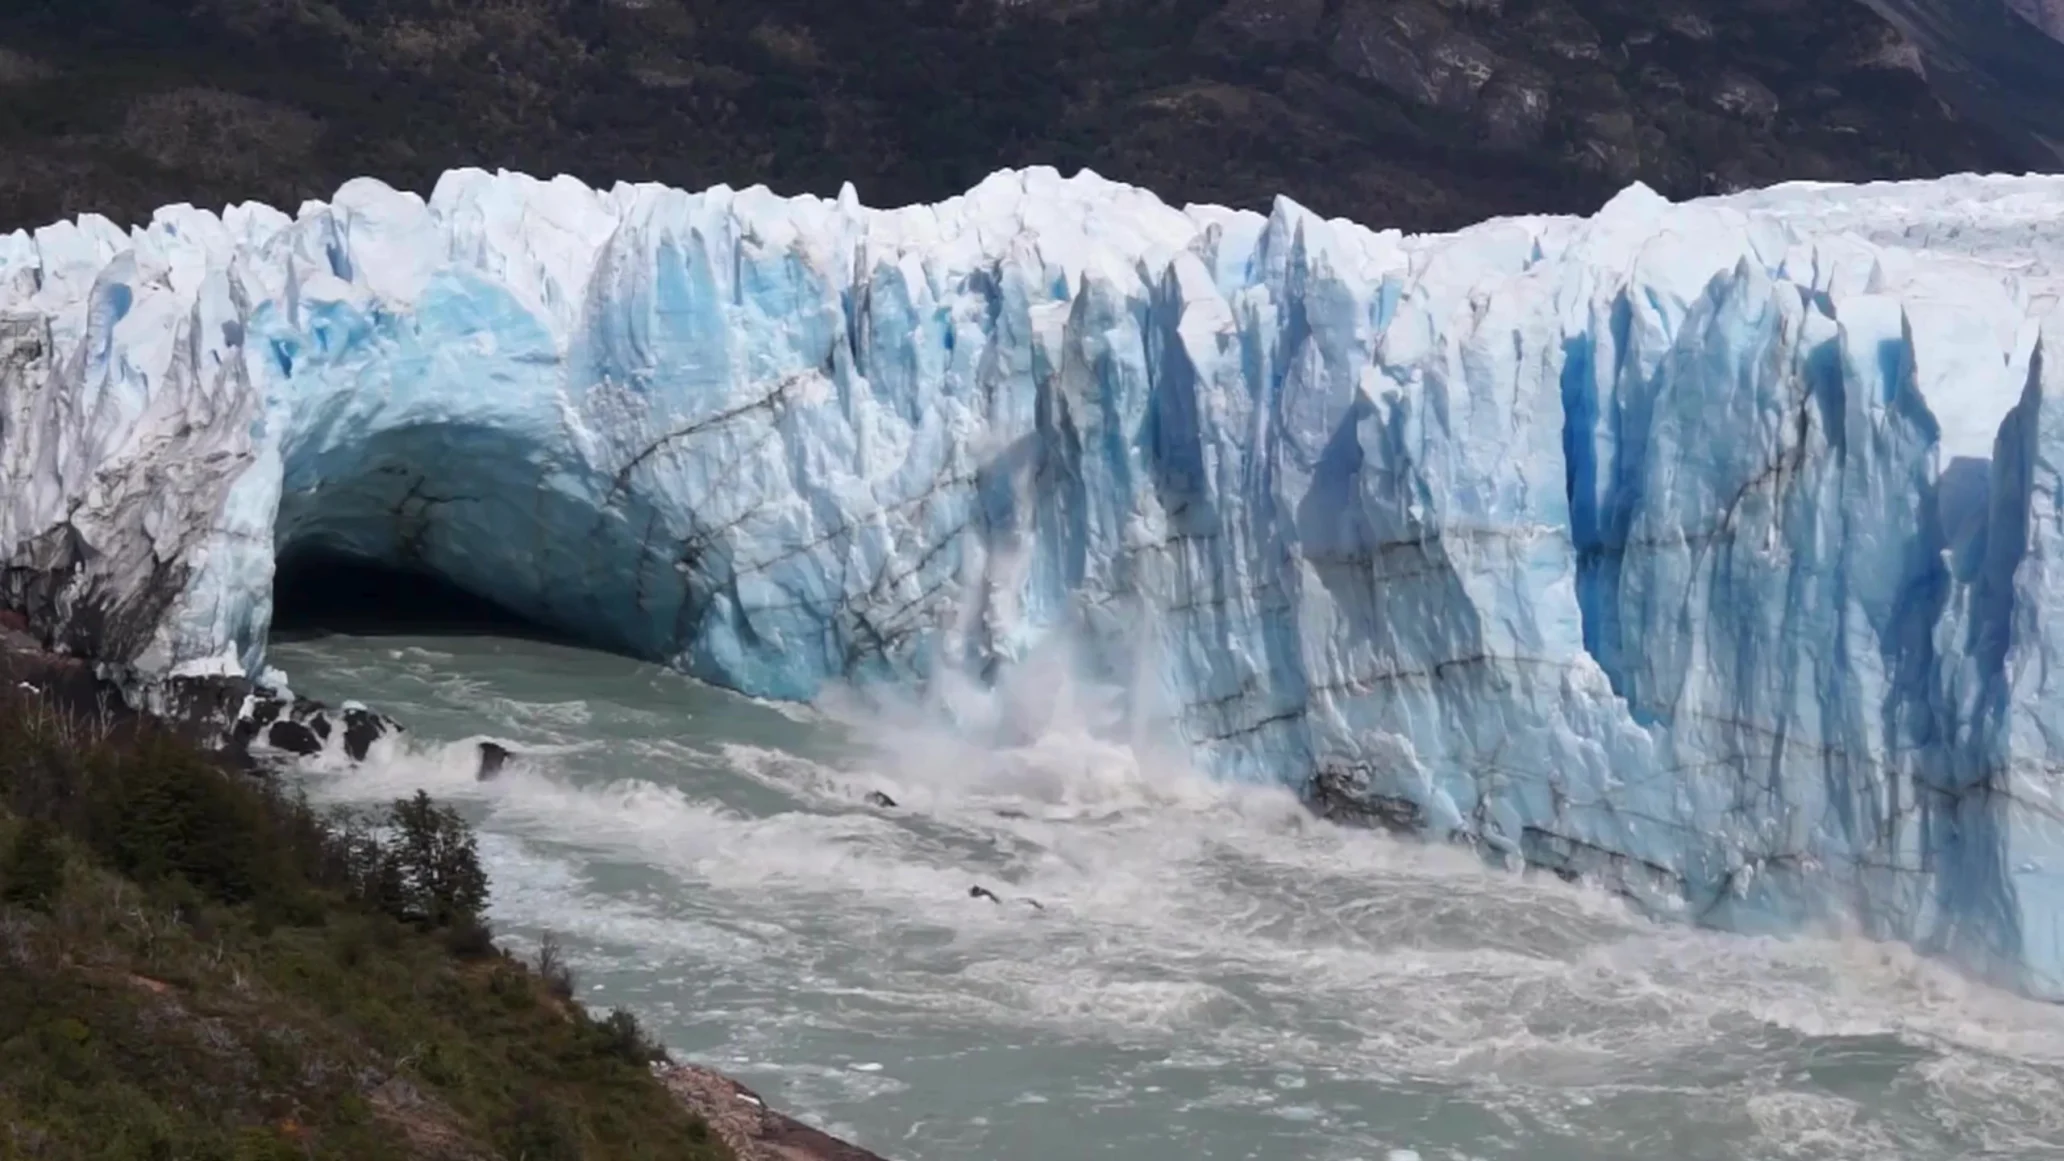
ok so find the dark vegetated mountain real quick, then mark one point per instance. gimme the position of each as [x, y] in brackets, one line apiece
[1414, 113]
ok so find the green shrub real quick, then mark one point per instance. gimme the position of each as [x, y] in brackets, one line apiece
[168, 812]
[431, 863]
[540, 1131]
[32, 875]
[619, 1035]
[469, 937]
[512, 986]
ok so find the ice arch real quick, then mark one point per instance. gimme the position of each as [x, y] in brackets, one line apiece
[482, 509]
[617, 485]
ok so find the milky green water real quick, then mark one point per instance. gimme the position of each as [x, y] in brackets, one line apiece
[1213, 975]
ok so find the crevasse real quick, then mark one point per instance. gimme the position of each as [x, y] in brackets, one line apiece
[1700, 549]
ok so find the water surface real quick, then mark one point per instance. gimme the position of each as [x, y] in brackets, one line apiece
[1209, 975]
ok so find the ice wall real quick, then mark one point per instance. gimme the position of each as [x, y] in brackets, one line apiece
[1701, 549]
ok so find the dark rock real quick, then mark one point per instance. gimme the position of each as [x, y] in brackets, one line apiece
[1268, 24]
[1388, 46]
[1875, 48]
[65, 681]
[877, 798]
[1609, 143]
[1690, 25]
[1346, 795]
[303, 720]
[295, 725]
[493, 756]
[207, 707]
[294, 738]
[363, 727]
[262, 710]
[1487, 9]
[226, 712]
[980, 892]
[1562, 31]
[1513, 110]
[265, 709]
[1458, 66]
[1745, 97]
[73, 600]
[1657, 79]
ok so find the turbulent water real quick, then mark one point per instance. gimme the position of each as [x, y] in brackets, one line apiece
[1209, 974]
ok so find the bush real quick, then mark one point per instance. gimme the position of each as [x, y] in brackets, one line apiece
[431, 865]
[512, 985]
[540, 1131]
[469, 938]
[33, 874]
[622, 1037]
[553, 968]
[170, 813]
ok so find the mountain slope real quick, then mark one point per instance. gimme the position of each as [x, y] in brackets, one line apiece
[1984, 57]
[1410, 113]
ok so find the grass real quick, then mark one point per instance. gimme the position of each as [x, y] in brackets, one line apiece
[195, 966]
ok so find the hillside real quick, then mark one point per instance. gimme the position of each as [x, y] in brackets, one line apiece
[1415, 113]
[195, 967]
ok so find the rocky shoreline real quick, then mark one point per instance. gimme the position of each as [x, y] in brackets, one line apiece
[746, 1124]
[737, 1116]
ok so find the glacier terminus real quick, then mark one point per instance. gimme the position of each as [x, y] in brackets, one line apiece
[1700, 550]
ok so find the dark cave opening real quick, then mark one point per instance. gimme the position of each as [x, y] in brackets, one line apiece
[317, 593]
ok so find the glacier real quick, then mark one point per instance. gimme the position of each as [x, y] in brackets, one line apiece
[1696, 549]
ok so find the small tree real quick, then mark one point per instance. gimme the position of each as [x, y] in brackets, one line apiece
[33, 873]
[553, 968]
[433, 873]
[620, 1035]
